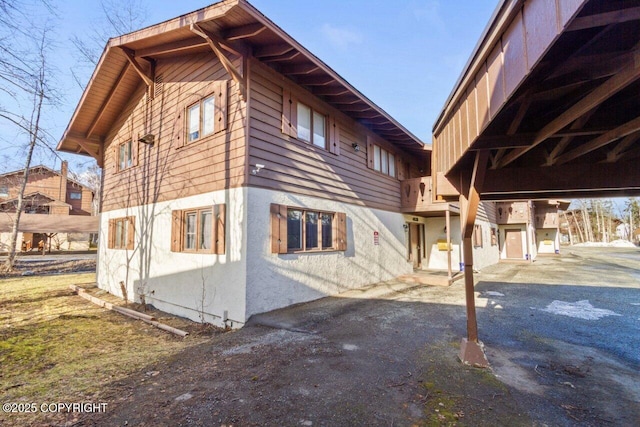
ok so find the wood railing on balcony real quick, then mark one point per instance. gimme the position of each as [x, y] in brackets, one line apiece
[416, 194]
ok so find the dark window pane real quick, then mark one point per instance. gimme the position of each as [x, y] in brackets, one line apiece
[327, 231]
[311, 224]
[294, 229]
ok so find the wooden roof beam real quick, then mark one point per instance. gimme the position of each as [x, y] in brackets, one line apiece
[311, 80]
[619, 150]
[601, 141]
[330, 91]
[564, 142]
[107, 101]
[92, 147]
[147, 76]
[282, 58]
[604, 19]
[272, 50]
[600, 94]
[175, 47]
[297, 69]
[215, 45]
[244, 31]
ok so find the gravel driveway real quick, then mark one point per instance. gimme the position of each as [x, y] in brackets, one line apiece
[561, 335]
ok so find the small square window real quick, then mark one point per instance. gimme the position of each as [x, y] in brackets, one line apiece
[4, 191]
[312, 126]
[75, 195]
[125, 155]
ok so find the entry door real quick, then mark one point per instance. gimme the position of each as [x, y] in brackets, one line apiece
[513, 241]
[414, 246]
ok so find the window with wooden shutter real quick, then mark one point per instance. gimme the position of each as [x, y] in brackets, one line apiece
[477, 236]
[199, 230]
[289, 114]
[334, 136]
[122, 233]
[304, 230]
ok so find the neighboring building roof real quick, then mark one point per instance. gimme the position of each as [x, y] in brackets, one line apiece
[45, 168]
[40, 223]
[237, 27]
[48, 201]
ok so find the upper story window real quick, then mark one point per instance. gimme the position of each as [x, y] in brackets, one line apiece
[304, 123]
[382, 160]
[4, 191]
[312, 126]
[75, 195]
[125, 155]
[201, 119]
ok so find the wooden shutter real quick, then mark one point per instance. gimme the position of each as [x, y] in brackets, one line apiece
[135, 149]
[179, 134]
[369, 152]
[131, 231]
[400, 168]
[289, 114]
[112, 234]
[340, 231]
[278, 235]
[221, 106]
[334, 136]
[219, 216]
[176, 231]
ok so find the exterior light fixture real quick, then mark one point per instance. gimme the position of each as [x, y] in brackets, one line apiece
[355, 146]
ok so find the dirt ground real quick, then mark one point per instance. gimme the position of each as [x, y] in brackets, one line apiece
[561, 335]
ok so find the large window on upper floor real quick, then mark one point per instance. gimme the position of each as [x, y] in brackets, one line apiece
[382, 160]
[201, 118]
[4, 191]
[205, 115]
[308, 122]
[125, 155]
[312, 126]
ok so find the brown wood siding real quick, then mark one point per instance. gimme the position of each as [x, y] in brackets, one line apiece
[171, 168]
[40, 181]
[298, 167]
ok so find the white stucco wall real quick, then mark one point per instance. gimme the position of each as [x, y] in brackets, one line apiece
[435, 230]
[201, 287]
[5, 241]
[278, 280]
[487, 254]
[548, 240]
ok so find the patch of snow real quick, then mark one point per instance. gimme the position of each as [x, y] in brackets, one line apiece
[615, 244]
[350, 347]
[580, 310]
[494, 294]
[184, 397]
[635, 303]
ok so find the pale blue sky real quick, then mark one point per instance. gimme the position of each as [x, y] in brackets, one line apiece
[404, 55]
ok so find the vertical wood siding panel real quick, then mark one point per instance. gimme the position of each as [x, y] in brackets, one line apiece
[568, 8]
[334, 136]
[496, 80]
[483, 98]
[515, 63]
[472, 114]
[541, 24]
[131, 232]
[278, 235]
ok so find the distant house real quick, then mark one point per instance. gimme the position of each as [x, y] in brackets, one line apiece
[56, 211]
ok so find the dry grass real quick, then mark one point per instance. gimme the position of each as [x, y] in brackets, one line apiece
[58, 347]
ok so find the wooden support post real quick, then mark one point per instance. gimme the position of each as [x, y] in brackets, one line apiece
[470, 348]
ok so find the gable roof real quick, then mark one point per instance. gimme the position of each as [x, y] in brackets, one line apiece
[44, 200]
[238, 27]
[47, 169]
